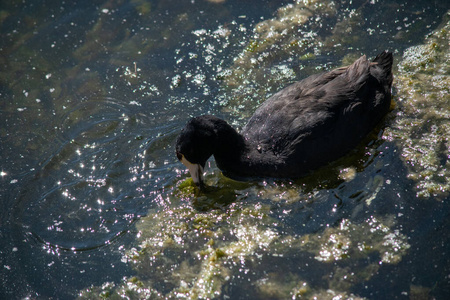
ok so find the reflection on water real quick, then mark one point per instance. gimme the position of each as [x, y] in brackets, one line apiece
[95, 204]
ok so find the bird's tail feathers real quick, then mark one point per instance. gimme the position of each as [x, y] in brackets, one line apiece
[384, 62]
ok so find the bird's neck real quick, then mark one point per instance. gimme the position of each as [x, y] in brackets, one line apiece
[237, 158]
[231, 151]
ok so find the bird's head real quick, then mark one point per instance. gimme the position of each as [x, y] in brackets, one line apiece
[195, 145]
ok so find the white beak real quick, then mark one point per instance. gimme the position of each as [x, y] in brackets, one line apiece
[196, 171]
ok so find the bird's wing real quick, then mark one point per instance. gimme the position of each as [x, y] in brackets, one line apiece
[307, 108]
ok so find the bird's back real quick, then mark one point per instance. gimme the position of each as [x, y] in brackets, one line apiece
[323, 116]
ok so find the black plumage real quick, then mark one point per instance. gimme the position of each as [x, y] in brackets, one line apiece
[298, 129]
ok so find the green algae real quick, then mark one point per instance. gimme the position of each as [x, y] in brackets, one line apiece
[187, 188]
[349, 240]
[422, 123]
[189, 254]
[201, 271]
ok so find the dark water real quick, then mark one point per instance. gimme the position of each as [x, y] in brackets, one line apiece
[92, 97]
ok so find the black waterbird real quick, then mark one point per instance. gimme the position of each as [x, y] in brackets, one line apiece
[298, 129]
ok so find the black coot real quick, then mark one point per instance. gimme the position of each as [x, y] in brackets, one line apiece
[300, 128]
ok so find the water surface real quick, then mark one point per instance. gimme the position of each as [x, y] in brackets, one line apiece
[94, 203]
